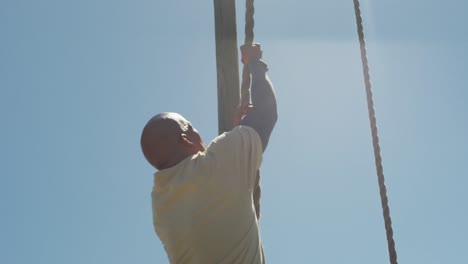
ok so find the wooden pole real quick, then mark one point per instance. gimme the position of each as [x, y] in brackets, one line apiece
[226, 62]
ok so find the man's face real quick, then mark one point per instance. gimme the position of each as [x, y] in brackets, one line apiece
[191, 133]
[195, 137]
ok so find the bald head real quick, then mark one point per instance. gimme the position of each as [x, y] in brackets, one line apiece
[169, 138]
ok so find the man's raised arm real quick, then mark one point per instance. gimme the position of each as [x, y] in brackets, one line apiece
[264, 114]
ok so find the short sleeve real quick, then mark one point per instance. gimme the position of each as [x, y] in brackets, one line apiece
[235, 157]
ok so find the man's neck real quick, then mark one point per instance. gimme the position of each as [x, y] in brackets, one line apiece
[175, 160]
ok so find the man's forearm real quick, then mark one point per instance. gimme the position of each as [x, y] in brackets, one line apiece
[264, 113]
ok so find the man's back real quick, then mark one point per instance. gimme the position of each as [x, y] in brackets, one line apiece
[202, 207]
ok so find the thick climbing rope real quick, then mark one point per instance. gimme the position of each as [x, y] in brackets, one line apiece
[249, 36]
[375, 137]
[245, 93]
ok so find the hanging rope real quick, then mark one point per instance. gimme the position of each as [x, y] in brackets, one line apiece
[375, 137]
[245, 93]
[249, 36]
[249, 21]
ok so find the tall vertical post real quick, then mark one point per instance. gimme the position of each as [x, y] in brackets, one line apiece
[226, 62]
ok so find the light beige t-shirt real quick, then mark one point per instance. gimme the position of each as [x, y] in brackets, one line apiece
[203, 209]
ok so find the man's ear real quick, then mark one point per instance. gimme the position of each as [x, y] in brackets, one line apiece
[185, 140]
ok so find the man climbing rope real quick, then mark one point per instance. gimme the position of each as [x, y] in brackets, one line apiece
[203, 209]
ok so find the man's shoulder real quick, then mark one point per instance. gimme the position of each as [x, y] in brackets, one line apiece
[235, 148]
[238, 133]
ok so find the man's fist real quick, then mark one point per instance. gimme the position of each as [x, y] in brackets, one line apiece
[251, 52]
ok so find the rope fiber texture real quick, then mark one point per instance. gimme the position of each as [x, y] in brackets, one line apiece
[375, 137]
[245, 93]
[249, 36]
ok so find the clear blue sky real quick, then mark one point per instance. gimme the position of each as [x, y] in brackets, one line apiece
[79, 79]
